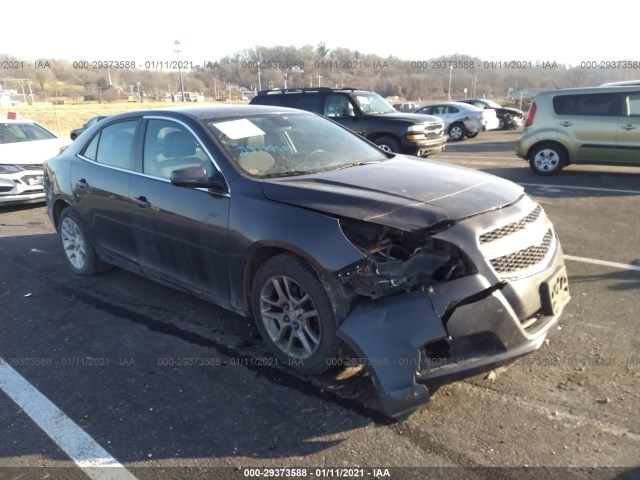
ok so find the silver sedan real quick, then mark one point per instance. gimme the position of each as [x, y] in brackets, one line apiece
[461, 120]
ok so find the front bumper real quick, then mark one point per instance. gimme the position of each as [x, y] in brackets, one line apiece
[426, 147]
[21, 187]
[411, 343]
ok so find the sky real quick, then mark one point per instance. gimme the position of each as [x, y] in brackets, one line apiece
[564, 31]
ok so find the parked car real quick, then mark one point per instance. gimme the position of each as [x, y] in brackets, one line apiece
[367, 114]
[424, 271]
[77, 131]
[460, 120]
[599, 125]
[24, 146]
[508, 118]
[406, 107]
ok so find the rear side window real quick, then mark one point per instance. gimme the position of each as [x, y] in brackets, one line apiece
[278, 99]
[113, 145]
[310, 103]
[600, 104]
[632, 105]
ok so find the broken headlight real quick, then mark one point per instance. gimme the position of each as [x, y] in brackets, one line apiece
[397, 261]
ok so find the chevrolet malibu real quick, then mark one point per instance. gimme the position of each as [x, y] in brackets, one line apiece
[426, 272]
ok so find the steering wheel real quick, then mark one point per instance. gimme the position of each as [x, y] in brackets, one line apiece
[317, 151]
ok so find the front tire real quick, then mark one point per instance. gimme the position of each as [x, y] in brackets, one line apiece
[547, 159]
[457, 132]
[294, 315]
[387, 144]
[79, 253]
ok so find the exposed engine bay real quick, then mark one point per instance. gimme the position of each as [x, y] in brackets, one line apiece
[398, 261]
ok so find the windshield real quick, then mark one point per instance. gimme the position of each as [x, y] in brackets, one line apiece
[373, 104]
[23, 132]
[285, 144]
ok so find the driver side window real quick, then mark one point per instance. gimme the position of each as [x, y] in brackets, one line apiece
[168, 146]
[337, 106]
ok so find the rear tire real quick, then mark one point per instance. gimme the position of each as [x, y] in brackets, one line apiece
[547, 159]
[294, 315]
[79, 253]
[457, 132]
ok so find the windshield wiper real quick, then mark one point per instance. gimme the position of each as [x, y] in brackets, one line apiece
[287, 173]
[356, 164]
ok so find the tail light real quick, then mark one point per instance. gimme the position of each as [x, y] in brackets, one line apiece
[532, 115]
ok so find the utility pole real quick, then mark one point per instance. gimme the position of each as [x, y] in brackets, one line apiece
[177, 50]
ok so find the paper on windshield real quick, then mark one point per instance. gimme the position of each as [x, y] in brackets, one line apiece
[236, 129]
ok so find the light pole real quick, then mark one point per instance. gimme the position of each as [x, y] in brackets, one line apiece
[138, 83]
[176, 44]
[259, 80]
[450, 73]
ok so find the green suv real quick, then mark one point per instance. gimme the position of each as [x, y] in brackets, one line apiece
[582, 125]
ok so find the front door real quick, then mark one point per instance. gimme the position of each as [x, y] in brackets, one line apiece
[182, 233]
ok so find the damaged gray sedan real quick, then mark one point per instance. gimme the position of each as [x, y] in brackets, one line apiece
[423, 271]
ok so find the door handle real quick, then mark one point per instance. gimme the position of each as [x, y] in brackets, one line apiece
[82, 184]
[142, 202]
[566, 124]
[628, 127]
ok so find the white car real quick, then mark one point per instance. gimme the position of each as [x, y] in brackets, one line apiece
[24, 146]
[462, 120]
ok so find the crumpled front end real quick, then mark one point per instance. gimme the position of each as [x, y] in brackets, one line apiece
[447, 303]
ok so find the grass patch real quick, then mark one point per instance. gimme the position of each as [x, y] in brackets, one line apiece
[61, 119]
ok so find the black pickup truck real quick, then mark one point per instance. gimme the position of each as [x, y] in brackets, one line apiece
[367, 114]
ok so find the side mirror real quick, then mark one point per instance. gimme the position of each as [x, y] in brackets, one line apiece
[348, 113]
[196, 177]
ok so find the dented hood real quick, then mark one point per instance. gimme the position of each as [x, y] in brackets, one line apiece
[403, 192]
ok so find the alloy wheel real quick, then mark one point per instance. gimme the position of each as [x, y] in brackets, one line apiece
[290, 317]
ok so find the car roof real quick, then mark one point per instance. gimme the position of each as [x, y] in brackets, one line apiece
[590, 90]
[213, 111]
[453, 104]
[289, 91]
[625, 83]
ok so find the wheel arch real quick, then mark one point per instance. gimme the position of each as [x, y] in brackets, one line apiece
[372, 137]
[339, 297]
[56, 211]
[260, 254]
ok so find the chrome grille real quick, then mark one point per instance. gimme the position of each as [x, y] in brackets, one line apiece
[512, 227]
[31, 167]
[525, 258]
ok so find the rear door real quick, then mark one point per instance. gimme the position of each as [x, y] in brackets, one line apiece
[100, 185]
[590, 122]
[628, 145]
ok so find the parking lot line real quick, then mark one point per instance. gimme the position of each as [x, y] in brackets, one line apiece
[96, 462]
[593, 261]
[577, 187]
